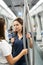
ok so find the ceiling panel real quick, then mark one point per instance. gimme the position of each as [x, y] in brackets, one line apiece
[18, 5]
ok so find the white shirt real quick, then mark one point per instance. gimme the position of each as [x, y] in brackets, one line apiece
[5, 50]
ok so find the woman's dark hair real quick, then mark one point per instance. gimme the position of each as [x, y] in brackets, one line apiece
[2, 32]
[11, 28]
[20, 20]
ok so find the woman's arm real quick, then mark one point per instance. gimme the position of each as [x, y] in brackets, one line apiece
[28, 35]
[12, 60]
[31, 44]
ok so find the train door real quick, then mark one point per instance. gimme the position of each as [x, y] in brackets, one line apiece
[37, 50]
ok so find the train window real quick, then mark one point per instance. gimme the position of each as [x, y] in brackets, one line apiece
[35, 21]
[40, 22]
[6, 21]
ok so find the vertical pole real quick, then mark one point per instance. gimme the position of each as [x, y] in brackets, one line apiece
[24, 40]
[27, 20]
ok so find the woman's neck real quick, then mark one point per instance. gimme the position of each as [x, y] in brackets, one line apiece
[20, 35]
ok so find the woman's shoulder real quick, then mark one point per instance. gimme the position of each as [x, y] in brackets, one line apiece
[4, 43]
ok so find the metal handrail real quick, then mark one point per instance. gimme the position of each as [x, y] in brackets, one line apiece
[26, 21]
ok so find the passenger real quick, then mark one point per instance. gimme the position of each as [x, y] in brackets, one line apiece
[18, 42]
[5, 49]
[10, 31]
[34, 31]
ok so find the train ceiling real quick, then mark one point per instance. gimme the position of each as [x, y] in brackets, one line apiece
[17, 6]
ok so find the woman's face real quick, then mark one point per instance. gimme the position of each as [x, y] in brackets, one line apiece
[17, 26]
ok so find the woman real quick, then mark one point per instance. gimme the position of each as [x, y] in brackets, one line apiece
[5, 49]
[18, 42]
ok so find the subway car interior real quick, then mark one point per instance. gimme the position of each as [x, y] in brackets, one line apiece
[31, 11]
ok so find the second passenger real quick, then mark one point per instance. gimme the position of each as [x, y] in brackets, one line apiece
[18, 40]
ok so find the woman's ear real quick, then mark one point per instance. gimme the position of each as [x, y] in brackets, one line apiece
[4, 27]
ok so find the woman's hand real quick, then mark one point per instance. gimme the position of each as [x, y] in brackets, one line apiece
[28, 35]
[12, 40]
[24, 51]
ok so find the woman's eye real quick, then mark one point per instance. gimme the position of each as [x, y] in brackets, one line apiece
[14, 25]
